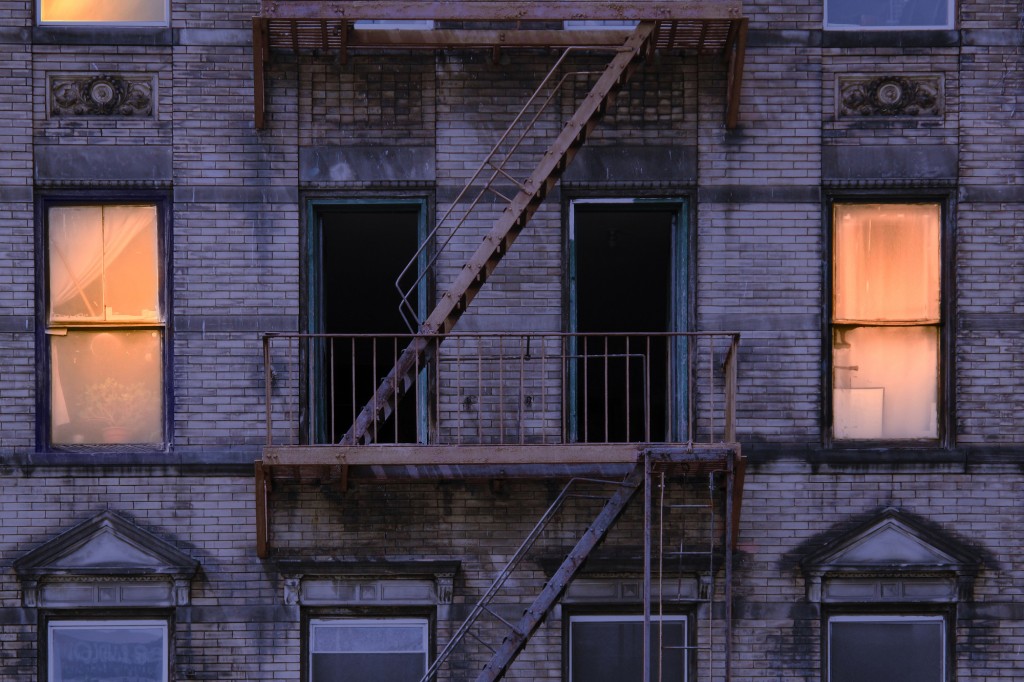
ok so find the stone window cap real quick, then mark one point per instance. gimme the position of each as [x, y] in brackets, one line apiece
[337, 582]
[106, 561]
[893, 557]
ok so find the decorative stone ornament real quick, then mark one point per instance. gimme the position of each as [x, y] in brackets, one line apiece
[101, 95]
[106, 561]
[890, 96]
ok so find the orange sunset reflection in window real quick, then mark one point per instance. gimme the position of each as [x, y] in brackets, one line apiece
[103, 11]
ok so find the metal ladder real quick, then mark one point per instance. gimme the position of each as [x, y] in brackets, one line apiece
[499, 239]
[520, 632]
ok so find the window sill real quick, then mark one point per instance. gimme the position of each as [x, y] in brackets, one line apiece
[154, 36]
[890, 38]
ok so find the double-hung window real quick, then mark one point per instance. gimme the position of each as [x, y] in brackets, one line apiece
[886, 321]
[889, 14]
[107, 650]
[109, 12]
[873, 648]
[105, 321]
[609, 648]
[368, 650]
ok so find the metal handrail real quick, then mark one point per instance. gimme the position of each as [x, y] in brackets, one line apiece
[511, 388]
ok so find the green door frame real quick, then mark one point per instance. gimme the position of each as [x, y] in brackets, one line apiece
[315, 297]
[680, 297]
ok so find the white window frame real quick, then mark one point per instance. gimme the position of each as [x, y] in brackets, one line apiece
[833, 26]
[940, 620]
[631, 618]
[368, 622]
[166, 21]
[111, 624]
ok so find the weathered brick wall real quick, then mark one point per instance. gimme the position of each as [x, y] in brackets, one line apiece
[758, 198]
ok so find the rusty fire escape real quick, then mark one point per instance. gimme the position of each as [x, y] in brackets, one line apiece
[693, 26]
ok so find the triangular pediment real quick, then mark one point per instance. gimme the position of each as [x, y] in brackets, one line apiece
[106, 545]
[892, 540]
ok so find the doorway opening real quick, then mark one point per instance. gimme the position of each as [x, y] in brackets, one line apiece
[360, 250]
[627, 289]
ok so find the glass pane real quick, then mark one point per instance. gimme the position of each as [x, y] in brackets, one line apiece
[131, 263]
[84, 653]
[377, 638]
[888, 13]
[107, 387]
[104, 264]
[76, 263]
[610, 650]
[886, 382]
[368, 667]
[886, 262]
[904, 649]
[103, 11]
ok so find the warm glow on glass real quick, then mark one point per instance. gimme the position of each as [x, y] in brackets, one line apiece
[887, 263]
[146, 12]
[107, 387]
[886, 315]
[104, 264]
[886, 383]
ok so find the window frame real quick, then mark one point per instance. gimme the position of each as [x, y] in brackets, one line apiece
[110, 619]
[44, 379]
[951, 7]
[630, 614]
[426, 616]
[40, 22]
[682, 295]
[891, 613]
[312, 396]
[945, 403]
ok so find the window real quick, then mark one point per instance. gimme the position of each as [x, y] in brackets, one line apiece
[105, 323]
[888, 14]
[610, 648]
[367, 650]
[871, 648]
[120, 12]
[886, 321]
[79, 650]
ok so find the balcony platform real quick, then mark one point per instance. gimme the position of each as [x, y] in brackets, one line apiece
[705, 27]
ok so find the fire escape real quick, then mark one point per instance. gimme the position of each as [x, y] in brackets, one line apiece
[500, 379]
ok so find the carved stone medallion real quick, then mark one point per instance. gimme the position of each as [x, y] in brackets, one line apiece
[890, 96]
[101, 95]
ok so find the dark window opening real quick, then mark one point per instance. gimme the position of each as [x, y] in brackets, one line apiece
[363, 250]
[622, 293]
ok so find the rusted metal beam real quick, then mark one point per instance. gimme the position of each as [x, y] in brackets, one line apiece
[511, 10]
[262, 511]
[259, 76]
[736, 52]
[447, 38]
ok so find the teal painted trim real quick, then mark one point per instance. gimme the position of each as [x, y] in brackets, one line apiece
[678, 320]
[316, 352]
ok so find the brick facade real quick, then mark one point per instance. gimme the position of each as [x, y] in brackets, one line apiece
[413, 126]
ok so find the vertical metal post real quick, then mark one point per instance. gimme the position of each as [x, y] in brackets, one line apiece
[647, 566]
[267, 385]
[729, 511]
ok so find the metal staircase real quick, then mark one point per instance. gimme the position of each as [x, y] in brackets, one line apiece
[499, 239]
[520, 632]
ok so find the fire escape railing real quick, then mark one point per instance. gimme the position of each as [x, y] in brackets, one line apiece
[509, 388]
